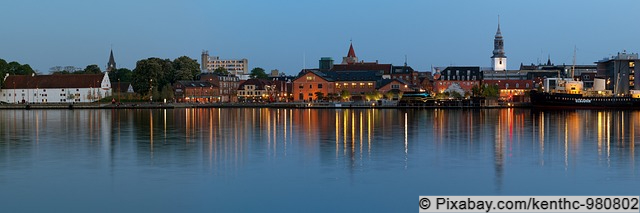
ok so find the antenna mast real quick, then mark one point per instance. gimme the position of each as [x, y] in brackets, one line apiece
[573, 68]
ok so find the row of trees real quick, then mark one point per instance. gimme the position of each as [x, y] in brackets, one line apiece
[13, 68]
[346, 95]
[60, 70]
[154, 74]
[257, 72]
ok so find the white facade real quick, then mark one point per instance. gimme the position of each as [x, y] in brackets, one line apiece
[56, 95]
[499, 63]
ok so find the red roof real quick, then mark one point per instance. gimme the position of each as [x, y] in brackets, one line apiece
[351, 53]
[53, 81]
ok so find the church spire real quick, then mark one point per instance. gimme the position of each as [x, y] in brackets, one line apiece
[351, 57]
[111, 65]
[499, 59]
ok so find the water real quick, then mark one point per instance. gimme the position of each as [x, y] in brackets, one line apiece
[293, 160]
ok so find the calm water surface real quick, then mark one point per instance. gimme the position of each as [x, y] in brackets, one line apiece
[306, 160]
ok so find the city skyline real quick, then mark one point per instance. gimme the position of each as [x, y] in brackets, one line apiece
[292, 36]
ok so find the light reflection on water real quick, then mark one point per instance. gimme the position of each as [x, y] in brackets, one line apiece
[291, 159]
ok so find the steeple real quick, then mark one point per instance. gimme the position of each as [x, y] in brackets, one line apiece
[351, 56]
[111, 65]
[499, 59]
[351, 53]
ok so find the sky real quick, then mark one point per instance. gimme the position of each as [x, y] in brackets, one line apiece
[292, 35]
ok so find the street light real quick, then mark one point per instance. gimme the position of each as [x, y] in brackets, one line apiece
[151, 90]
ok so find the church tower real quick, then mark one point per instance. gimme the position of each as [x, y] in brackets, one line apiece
[351, 56]
[499, 60]
[111, 65]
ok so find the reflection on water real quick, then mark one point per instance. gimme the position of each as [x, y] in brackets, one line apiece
[350, 155]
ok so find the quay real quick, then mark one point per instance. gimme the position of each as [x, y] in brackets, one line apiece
[286, 105]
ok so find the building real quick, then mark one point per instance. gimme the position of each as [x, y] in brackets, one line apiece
[259, 90]
[464, 77]
[311, 82]
[326, 63]
[111, 65]
[499, 59]
[196, 92]
[122, 87]
[619, 72]
[405, 73]
[351, 57]
[394, 86]
[81, 88]
[511, 89]
[227, 85]
[237, 67]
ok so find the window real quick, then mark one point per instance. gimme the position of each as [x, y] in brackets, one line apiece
[506, 85]
[517, 85]
[370, 85]
[310, 86]
[395, 86]
[301, 86]
[319, 86]
[527, 85]
[309, 78]
[361, 85]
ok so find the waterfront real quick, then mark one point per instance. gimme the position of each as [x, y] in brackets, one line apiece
[317, 160]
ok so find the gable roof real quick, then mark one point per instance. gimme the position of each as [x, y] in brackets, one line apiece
[383, 82]
[53, 81]
[351, 52]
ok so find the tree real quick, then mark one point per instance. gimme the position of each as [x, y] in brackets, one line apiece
[476, 90]
[373, 96]
[121, 75]
[389, 95]
[91, 69]
[221, 71]
[319, 95]
[13, 68]
[185, 69]
[345, 95]
[258, 73]
[151, 72]
[490, 91]
[167, 92]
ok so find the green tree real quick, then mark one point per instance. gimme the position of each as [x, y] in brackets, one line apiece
[258, 73]
[221, 71]
[121, 75]
[92, 69]
[185, 69]
[319, 95]
[345, 95]
[491, 91]
[151, 72]
[167, 92]
[476, 90]
[13, 68]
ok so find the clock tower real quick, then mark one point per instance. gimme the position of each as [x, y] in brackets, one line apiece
[498, 60]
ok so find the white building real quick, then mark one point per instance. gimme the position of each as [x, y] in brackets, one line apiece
[238, 67]
[55, 88]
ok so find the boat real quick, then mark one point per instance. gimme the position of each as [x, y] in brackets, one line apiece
[568, 94]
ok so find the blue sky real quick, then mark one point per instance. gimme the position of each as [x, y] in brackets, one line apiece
[290, 35]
